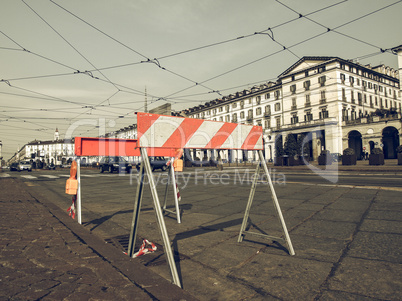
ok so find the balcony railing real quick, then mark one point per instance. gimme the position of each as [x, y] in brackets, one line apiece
[370, 119]
[309, 123]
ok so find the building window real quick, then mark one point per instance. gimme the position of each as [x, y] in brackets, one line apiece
[220, 109]
[343, 94]
[277, 93]
[250, 114]
[294, 119]
[267, 110]
[242, 114]
[258, 100]
[234, 117]
[242, 104]
[323, 114]
[294, 106]
[308, 103]
[214, 112]
[258, 111]
[221, 118]
[268, 123]
[267, 96]
[234, 105]
[308, 116]
[277, 106]
[227, 108]
[306, 85]
[359, 98]
[365, 98]
[321, 80]
[293, 89]
[278, 122]
[352, 95]
[306, 73]
[344, 114]
[353, 114]
[322, 99]
[351, 80]
[343, 78]
[250, 101]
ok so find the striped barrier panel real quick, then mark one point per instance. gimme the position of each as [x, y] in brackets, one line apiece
[160, 131]
[95, 146]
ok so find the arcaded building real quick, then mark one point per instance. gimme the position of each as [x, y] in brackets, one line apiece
[328, 102]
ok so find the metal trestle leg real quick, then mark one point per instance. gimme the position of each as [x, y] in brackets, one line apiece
[243, 231]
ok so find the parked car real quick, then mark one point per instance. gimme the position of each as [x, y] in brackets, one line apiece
[25, 165]
[51, 166]
[112, 164]
[156, 163]
[14, 166]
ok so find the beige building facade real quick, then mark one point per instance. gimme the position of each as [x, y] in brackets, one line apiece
[329, 102]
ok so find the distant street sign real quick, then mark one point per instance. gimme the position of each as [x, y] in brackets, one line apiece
[364, 148]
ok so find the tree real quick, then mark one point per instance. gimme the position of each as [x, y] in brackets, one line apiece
[290, 145]
[279, 152]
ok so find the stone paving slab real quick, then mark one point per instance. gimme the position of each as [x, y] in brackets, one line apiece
[42, 257]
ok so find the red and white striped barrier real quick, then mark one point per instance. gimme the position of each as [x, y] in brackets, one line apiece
[143, 250]
[160, 131]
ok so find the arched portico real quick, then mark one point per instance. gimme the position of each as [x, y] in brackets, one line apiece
[355, 142]
[390, 141]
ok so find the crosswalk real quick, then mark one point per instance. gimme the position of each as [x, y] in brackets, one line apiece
[59, 176]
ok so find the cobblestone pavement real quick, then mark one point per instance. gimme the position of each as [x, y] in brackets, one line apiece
[45, 256]
[347, 237]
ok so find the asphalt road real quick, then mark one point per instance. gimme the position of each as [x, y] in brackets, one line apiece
[344, 228]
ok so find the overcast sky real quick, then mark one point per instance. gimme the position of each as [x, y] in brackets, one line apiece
[83, 65]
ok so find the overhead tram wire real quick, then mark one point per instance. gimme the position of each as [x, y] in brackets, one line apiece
[185, 51]
[344, 24]
[148, 60]
[72, 46]
[229, 70]
[249, 35]
[289, 47]
[23, 49]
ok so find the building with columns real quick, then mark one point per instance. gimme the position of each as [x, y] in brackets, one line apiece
[328, 102]
[58, 151]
